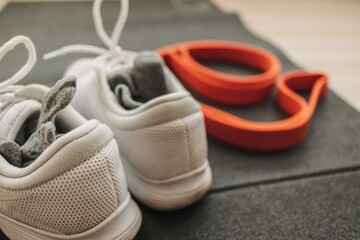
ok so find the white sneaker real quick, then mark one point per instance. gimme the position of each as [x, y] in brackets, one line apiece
[158, 126]
[61, 176]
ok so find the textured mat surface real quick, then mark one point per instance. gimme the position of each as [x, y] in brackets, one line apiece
[314, 208]
[333, 143]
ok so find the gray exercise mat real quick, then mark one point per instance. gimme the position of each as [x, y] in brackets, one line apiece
[50, 28]
[314, 208]
[333, 142]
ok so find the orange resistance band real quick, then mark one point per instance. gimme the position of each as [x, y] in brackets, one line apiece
[183, 60]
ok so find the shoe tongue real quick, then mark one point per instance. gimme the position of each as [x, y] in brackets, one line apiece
[145, 81]
[44, 133]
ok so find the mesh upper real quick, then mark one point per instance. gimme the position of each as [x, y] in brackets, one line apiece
[155, 151]
[75, 201]
[167, 149]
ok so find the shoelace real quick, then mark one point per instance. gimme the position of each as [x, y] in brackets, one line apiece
[115, 57]
[54, 101]
[8, 86]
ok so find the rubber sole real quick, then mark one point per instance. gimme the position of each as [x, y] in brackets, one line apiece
[123, 223]
[169, 194]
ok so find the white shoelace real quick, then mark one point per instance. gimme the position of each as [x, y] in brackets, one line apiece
[116, 57]
[8, 86]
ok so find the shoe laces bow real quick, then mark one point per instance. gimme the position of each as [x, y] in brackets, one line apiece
[8, 86]
[115, 57]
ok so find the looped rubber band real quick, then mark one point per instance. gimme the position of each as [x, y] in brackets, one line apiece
[183, 59]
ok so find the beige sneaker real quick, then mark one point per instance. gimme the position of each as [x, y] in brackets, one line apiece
[60, 176]
[158, 125]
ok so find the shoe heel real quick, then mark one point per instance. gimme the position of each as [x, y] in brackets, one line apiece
[122, 224]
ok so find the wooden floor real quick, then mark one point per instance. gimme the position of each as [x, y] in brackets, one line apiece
[319, 35]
